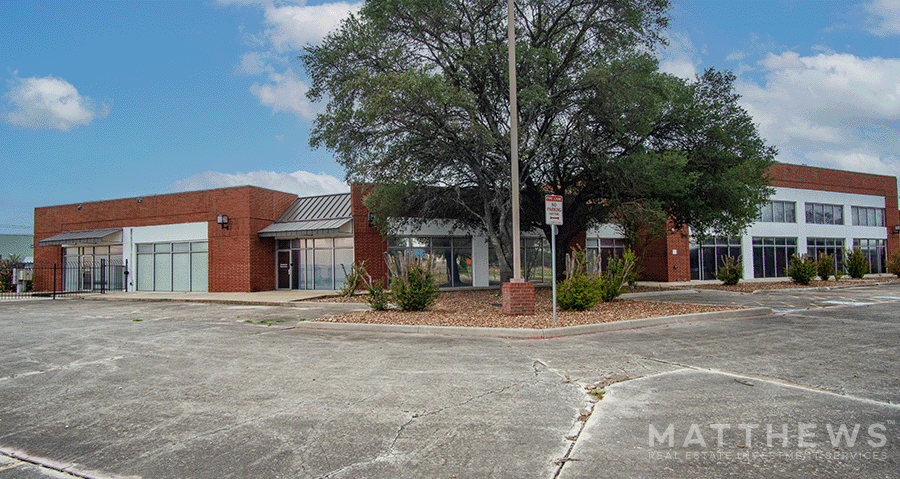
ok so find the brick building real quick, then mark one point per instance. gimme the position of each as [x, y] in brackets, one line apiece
[275, 240]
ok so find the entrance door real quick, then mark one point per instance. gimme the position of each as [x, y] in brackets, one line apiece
[298, 270]
[284, 270]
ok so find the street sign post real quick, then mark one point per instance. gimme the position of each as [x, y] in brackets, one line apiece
[553, 210]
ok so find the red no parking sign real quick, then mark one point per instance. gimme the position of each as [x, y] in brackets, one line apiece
[553, 207]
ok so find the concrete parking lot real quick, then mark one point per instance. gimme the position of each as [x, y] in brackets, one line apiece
[193, 390]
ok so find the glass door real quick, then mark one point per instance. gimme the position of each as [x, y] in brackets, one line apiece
[298, 269]
[284, 270]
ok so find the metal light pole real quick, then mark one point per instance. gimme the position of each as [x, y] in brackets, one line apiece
[514, 141]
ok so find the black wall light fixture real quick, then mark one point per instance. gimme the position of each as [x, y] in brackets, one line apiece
[223, 221]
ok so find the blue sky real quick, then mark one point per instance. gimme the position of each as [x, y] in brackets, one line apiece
[102, 100]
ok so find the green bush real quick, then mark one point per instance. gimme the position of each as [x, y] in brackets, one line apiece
[6, 268]
[893, 267]
[416, 291]
[732, 270]
[378, 298]
[616, 275]
[802, 269]
[825, 266]
[355, 279]
[412, 282]
[856, 263]
[578, 294]
[580, 290]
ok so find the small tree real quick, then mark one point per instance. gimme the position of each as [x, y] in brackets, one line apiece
[580, 290]
[616, 275]
[355, 279]
[6, 267]
[732, 270]
[893, 267]
[802, 269]
[825, 265]
[857, 264]
[412, 281]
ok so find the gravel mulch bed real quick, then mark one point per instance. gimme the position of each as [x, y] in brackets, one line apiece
[481, 308]
[749, 287]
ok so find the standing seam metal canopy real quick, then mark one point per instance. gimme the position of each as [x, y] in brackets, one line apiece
[82, 237]
[312, 216]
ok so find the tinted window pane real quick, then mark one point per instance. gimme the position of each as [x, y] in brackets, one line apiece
[162, 269]
[778, 212]
[199, 271]
[181, 271]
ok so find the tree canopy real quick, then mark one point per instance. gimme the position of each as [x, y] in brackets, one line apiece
[417, 96]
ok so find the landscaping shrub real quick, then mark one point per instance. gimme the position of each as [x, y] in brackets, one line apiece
[616, 275]
[893, 267]
[379, 297]
[355, 279]
[802, 269]
[578, 294]
[732, 270]
[6, 268]
[580, 290]
[856, 263]
[412, 281]
[825, 265]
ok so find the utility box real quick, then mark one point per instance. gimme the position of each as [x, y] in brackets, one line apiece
[20, 277]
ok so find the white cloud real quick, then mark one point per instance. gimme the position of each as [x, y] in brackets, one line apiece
[862, 159]
[254, 63]
[679, 57]
[301, 183]
[884, 17]
[287, 27]
[50, 103]
[291, 27]
[736, 55]
[838, 110]
[285, 92]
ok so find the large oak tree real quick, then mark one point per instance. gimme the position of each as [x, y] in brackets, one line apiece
[417, 99]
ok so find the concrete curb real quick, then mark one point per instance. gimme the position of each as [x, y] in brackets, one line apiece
[651, 294]
[511, 333]
[823, 288]
[72, 468]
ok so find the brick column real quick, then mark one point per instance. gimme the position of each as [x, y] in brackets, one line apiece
[518, 299]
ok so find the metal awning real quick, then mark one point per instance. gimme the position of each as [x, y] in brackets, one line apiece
[293, 229]
[107, 235]
[313, 216]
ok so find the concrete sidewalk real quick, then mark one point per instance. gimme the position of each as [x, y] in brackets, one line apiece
[263, 298]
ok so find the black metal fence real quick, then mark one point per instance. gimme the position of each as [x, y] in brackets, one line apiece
[52, 280]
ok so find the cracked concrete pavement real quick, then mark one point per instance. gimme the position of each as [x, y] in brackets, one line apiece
[158, 390]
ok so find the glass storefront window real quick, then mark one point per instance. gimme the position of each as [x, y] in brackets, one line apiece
[93, 268]
[172, 266]
[771, 256]
[875, 251]
[313, 263]
[831, 246]
[706, 258]
[452, 257]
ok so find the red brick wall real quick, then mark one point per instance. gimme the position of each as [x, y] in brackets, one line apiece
[238, 259]
[368, 244]
[659, 264]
